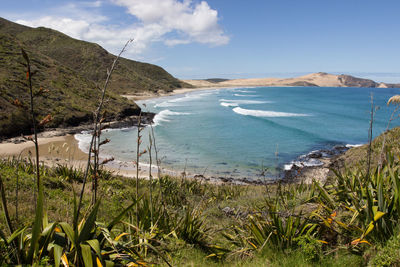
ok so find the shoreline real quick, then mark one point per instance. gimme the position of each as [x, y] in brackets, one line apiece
[64, 150]
[59, 146]
[149, 95]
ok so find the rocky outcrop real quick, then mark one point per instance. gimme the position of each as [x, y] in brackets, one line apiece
[350, 81]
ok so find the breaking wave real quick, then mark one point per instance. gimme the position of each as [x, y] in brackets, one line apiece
[244, 101]
[229, 104]
[186, 98]
[246, 95]
[165, 116]
[266, 113]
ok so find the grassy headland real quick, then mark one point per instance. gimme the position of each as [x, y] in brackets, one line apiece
[69, 73]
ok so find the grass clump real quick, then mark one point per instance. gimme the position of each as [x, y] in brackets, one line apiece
[389, 254]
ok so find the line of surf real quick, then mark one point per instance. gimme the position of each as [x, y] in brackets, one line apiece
[266, 113]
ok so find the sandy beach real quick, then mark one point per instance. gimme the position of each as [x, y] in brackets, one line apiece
[52, 150]
[320, 79]
[149, 95]
[64, 150]
[60, 147]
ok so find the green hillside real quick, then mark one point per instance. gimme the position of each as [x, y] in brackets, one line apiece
[356, 158]
[72, 71]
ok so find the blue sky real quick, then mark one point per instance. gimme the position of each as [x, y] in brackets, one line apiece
[233, 38]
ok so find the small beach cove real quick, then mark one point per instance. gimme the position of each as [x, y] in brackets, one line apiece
[173, 108]
[61, 148]
[238, 133]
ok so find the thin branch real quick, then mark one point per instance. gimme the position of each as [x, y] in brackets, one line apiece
[138, 141]
[95, 126]
[384, 136]
[35, 141]
[151, 179]
[371, 122]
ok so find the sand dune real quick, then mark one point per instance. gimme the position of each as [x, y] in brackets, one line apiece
[320, 79]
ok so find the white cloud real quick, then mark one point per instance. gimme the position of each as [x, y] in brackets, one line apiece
[169, 21]
[71, 27]
[173, 42]
[193, 22]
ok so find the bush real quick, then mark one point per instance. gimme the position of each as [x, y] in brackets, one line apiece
[389, 255]
[309, 247]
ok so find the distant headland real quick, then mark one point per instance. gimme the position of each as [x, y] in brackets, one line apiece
[320, 79]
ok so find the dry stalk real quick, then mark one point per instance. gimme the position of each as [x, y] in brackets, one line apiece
[34, 140]
[371, 123]
[393, 100]
[158, 161]
[138, 142]
[95, 129]
[17, 189]
[151, 180]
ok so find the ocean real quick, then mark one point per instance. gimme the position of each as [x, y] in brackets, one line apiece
[238, 132]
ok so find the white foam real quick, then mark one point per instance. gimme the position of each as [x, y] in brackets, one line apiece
[85, 137]
[84, 140]
[302, 164]
[244, 91]
[244, 101]
[225, 104]
[312, 163]
[165, 114]
[245, 95]
[266, 113]
[165, 104]
[356, 145]
[186, 98]
[288, 167]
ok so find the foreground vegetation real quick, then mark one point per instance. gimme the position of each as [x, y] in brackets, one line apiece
[352, 220]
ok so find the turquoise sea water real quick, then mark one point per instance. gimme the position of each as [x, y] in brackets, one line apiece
[234, 132]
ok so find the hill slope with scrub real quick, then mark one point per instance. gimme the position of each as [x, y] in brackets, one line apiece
[70, 73]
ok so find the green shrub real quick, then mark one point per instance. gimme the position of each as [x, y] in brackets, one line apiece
[309, 247]
[389, 255]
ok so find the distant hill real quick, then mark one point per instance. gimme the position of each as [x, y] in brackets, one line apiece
[72, 71]
[216, 80]
[320, 79]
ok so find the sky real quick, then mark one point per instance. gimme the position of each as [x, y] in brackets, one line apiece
[233, 38]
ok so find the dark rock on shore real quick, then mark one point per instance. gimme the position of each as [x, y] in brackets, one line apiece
[129, 121]
[313, 165]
